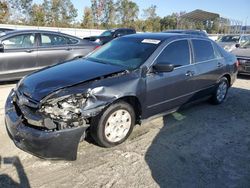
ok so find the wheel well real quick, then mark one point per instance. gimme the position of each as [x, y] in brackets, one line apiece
[228, 77]
[135, 103]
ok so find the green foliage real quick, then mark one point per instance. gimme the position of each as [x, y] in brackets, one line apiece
[152, 21]
[103, 14]
[87, 18]
[20, 10]
[169, 22]
[127, 12]
[38, 15]
[59, 13]
[4, 11]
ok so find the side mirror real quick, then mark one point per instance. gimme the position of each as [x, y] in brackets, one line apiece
[1, 48]
[163, 67]
[237, 45]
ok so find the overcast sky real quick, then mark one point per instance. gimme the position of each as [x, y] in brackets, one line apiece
[233, 9]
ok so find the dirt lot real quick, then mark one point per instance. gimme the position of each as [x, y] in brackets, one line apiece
[202, 146]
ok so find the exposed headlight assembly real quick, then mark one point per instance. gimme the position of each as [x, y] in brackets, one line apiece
[66, 108]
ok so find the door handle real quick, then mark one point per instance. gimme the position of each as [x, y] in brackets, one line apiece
[29, 51]
[68, 49]
[219, 64]
[190, 73]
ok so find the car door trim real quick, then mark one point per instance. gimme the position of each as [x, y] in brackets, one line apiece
[175, 98]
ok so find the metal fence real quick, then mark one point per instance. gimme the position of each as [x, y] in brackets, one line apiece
[71, 31]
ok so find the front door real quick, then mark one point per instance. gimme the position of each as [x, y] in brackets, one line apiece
[169, 90]
[19, 56]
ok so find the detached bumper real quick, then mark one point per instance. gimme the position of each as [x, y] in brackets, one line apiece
[61, 144]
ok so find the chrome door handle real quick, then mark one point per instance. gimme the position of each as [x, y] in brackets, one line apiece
[29, 51]
[190, 73]
[219, 64]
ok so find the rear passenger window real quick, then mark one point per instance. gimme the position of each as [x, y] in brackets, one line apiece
[217, 51]
[203, 50]
[176, 53]
[72, 41]
[130, 32]
[53, 40]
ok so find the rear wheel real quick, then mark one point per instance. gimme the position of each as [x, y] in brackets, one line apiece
[114, 125]
[221, 91]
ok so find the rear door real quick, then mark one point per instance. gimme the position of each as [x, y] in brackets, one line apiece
[169, 90]
[19, 56]
[52, 49]
[209, 62]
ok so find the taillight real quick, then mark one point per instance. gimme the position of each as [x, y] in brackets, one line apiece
[237, 63]
[97, 47]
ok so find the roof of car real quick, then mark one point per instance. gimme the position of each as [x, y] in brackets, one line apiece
[160, 36]
[115, 29]
[33, 30]
[30, 30]
[183, 30]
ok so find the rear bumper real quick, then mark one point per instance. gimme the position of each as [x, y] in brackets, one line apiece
[243, 69]
[244, 65]
[46, 144]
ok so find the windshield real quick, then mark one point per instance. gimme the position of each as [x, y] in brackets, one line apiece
[106, 33]
[230, 38]
[125, 52]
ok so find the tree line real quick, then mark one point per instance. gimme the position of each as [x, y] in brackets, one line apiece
[102, 14]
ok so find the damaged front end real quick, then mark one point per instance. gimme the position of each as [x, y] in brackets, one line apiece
[67, 111]
[53, 127]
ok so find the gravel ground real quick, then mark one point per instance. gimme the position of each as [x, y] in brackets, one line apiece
[201, 146]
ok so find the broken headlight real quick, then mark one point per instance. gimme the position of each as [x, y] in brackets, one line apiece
[66, 108]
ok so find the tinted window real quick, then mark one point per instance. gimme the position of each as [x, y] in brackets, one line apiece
[52, 40]
[19, 41]
[217, 51]
[107, 33]
[176, 53]
[244, 39]
[203, 50]
[72, 41]
[130, 31]
[230, 38]
[121, 32]
[126, 52]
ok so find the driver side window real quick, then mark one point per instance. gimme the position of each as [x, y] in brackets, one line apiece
[176, 53]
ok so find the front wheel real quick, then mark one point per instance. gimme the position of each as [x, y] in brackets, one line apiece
[221, 91]
[114, 125]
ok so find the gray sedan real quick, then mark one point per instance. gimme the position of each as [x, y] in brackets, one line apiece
[22, 52]
[243, 56]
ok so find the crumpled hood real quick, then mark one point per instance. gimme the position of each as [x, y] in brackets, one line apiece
[39, 84]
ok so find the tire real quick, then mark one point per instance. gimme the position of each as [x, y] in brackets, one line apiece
[114, 125]
[220, 92]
